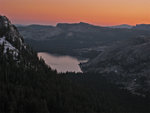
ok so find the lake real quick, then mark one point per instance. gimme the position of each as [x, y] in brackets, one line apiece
[62, 63]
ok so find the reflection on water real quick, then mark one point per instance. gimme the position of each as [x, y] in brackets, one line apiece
[61, 63]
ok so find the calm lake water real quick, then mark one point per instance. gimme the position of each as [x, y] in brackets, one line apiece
[62, 63]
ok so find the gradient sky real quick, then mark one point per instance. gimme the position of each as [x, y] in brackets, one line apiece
[99, 12]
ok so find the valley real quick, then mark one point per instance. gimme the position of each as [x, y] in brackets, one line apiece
[110, 51]
[114, 80]
[74, 56]
[77, 39]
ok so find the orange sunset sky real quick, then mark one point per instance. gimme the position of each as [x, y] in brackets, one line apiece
[98, 12]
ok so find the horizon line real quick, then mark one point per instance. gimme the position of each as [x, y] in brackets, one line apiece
[42, 24]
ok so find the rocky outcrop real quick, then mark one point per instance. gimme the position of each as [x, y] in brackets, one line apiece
[12, 44]
[10, 32]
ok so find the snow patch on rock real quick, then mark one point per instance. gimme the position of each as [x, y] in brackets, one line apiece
[9, 46]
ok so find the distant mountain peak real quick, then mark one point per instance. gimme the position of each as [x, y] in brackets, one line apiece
[121, 26]
[84, 23]
[78, 27]
[72, 24]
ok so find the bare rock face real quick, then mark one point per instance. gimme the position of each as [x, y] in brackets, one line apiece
[4, 23]
[11, 33]
[13, 50]
[11, 42]
[128, 62]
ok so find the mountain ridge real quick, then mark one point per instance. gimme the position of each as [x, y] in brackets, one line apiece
[122, 26]
[78, 39]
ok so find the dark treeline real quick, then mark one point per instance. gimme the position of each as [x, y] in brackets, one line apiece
[30, 86]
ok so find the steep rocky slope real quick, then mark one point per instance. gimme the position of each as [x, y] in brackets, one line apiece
[14, 50]
[11, 41]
